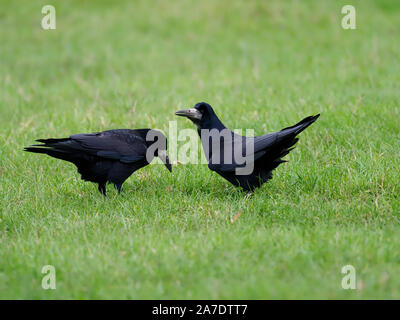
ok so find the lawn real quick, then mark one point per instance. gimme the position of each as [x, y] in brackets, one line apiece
[262, 65]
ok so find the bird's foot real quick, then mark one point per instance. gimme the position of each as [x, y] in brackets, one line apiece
[248, 194]
[102, 189]
[118, 187]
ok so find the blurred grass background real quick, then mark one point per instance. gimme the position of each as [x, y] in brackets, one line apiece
[262, 65]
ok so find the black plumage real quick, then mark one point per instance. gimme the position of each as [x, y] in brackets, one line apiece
[109, 156]
[261, 154]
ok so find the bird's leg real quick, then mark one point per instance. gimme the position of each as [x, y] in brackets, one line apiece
[102, 189]
[118, 187]
[248, 194]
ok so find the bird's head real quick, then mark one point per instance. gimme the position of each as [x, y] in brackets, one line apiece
[202, 115]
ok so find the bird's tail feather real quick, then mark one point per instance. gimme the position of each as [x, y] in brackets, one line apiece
[55, 153]
[285, 143]
[302, 125]
[281, 151]
[52, 141]
[63, 144]
[57, 148]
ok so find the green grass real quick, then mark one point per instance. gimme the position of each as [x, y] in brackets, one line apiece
[262, 65]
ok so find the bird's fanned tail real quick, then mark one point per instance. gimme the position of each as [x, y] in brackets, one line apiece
[302, 125]
[53, 148]
[286, 142]
[55, 153]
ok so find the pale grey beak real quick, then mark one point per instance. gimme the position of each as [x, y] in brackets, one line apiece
[190, 113]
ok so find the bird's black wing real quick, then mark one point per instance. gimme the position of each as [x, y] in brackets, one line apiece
[124, 145]
[244, 150]
[271, 146]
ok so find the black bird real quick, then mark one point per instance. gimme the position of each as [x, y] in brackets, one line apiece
[245, 162]
[109, 156]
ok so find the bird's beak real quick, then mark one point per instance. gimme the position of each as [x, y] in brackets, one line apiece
[168, 164]
[163, 155]
[190, 113]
